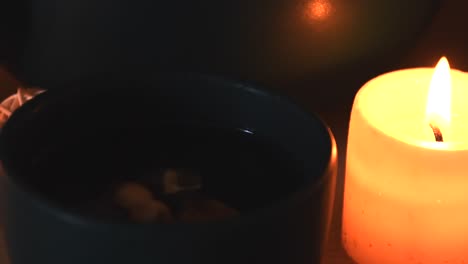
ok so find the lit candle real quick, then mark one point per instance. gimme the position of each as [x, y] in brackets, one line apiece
[406, 186]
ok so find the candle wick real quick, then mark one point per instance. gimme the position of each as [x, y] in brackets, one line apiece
[437, 134]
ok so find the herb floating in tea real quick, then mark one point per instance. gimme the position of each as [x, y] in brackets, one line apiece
[200, 210]
[152, 211]
[177, 180]
[140, 205]
[180, 200]
[132, 194]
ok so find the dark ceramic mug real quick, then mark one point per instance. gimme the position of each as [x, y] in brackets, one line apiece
[41, 228]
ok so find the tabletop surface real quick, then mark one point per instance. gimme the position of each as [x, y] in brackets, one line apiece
[446, 36]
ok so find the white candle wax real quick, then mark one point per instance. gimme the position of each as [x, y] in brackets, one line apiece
[406, 196]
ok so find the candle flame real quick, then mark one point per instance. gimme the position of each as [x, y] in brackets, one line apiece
[438, 109]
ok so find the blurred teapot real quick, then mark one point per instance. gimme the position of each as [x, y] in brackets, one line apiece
[280, 43]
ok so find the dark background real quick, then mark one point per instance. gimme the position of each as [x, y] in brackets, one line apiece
[320, 63]
[316, 51]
